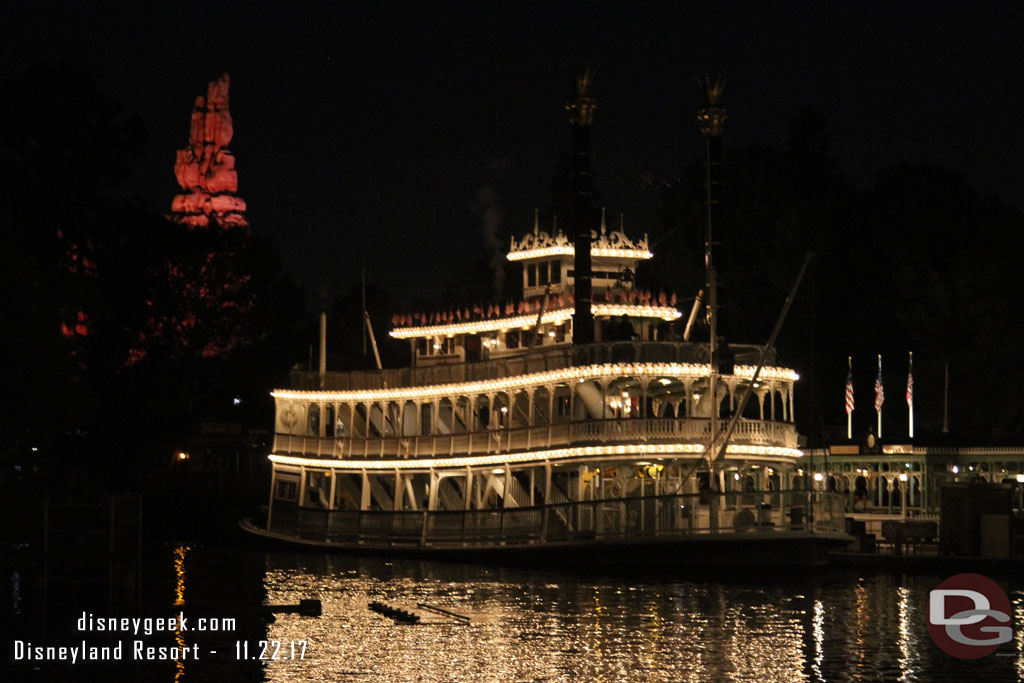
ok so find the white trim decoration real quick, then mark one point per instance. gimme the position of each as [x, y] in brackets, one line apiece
[530, 456]
[580, 373]
[527, 321]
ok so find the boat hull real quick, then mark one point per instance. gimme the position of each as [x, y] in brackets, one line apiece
[773, 548]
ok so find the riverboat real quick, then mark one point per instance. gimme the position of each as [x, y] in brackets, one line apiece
[579, 422]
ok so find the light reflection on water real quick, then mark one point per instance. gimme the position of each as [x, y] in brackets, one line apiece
[540, 625]
[548, 626]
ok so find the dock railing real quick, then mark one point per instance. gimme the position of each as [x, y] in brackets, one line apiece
[666, 517]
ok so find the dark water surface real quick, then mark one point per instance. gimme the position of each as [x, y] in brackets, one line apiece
[541, 624]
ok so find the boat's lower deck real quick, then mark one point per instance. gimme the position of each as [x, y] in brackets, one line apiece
[745, 525]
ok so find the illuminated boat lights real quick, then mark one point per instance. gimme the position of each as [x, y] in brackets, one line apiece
[532, 456]
[604, 244]
[555, 317]
[569, 250]
[580, 373]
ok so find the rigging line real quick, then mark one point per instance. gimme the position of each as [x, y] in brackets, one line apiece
[716, 451]
[681, 225]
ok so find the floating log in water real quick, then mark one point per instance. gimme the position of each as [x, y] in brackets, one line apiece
[399, 615]
[307, 608]
[442, 610]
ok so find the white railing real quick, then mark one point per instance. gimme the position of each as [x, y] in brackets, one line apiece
[537, 360]
[654, 430]
[582, 522]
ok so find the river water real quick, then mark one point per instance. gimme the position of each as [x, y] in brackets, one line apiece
[526, 624]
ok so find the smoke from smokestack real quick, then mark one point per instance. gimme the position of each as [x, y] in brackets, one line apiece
[488, 208]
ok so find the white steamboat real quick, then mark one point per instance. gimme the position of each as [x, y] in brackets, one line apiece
[514, 434]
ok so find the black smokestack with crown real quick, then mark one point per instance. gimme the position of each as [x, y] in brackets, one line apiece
[581, 116]
[711, 118]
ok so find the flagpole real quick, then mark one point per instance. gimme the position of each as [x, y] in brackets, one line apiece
[878, 406]
[849, 409]
[945, 403]
[910, 394]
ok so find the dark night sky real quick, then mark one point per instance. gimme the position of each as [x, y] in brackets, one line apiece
[364, 132]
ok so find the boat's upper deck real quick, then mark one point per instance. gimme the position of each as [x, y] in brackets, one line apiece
[541, 360]
[621, 392]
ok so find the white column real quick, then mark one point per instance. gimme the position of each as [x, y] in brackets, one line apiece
[547, 501]
[547, 482]
[364, 502]
[273, 486]
[506, 485]
[435, 483]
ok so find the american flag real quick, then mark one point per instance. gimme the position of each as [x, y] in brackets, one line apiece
[849, 390]
[879, 391]
[910, 385]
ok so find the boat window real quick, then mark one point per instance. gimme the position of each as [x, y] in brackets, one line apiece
[531, 275]
[328, 419]
[542, 273]
[562, 405]
[426, 418]
[556, 272]
[512, 339]
[316, 490]
[287, 489]
[473, 348]
[313, 420]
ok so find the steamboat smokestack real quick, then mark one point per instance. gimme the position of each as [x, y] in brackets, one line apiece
[712, 122]
[581, 116]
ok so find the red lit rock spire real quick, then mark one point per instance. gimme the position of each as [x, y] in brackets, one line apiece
[206, 168]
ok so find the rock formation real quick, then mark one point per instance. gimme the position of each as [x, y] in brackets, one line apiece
[206, 168]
